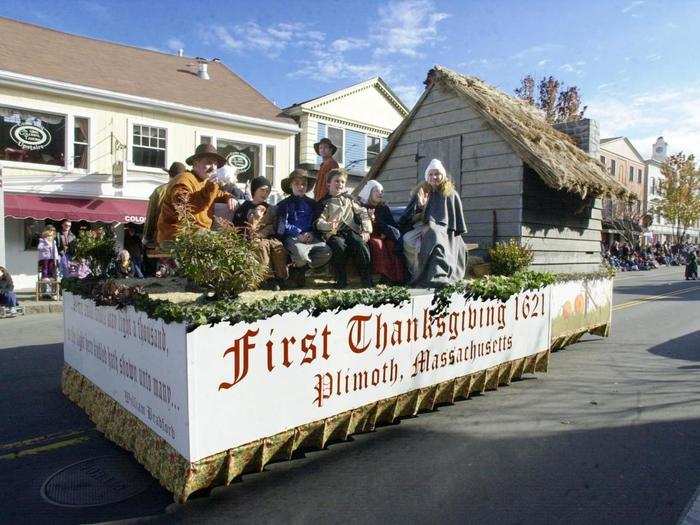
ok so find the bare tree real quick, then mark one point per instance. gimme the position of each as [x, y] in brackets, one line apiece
[549, 89]
[625, 217]
[526, 91]
[558, 103]
[569, 105]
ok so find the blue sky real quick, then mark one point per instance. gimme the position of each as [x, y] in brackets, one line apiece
[634, 61]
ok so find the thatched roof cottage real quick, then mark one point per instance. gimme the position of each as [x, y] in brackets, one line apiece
[519, 178]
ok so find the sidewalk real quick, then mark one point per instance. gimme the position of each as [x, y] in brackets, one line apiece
[27, 300]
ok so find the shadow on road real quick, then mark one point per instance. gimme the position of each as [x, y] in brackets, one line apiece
[686, 347]
[409, 474]
[43, 432]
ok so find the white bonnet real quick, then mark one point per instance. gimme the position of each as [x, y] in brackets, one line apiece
[435, 164]
[227, 173]
[367, 190]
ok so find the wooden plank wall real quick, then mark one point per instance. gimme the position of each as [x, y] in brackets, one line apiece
[491, 172]
[564, 234]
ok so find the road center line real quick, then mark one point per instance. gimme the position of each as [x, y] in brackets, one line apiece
[45, 448]
[653, 298]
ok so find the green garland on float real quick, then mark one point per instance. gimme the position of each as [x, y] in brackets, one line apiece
[203, 312]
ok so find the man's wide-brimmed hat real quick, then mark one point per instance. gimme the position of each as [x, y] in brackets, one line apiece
[206, 150]
[333, 147]
[298, 173]
[175, 169]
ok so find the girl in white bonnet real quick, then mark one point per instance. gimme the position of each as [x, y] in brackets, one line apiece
[385, 240]
[433, 245]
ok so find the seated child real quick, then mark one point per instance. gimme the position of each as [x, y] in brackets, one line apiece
[295, 222]
[385, 241]
[346, 228]
[259, 229]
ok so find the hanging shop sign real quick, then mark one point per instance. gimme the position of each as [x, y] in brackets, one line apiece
[30, 137]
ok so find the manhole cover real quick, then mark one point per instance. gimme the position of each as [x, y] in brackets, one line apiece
[96, 481]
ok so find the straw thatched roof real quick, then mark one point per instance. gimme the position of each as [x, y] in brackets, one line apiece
[552, 154]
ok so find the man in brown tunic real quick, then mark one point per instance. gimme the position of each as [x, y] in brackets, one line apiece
[198, 189]
[326, 149]
[155, 201]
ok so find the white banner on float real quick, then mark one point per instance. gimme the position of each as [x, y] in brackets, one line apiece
[580, 305]
[138, 361]
[251, 381]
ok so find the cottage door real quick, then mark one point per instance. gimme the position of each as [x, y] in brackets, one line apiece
[448, 150]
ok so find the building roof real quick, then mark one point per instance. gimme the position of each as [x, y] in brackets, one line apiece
[552, 154]
[45, 53]
[629, 144]
[374, 81]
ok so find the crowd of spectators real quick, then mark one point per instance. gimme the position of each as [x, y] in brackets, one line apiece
[625, 257]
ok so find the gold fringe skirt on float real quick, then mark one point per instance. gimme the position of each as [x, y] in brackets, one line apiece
[183, 478]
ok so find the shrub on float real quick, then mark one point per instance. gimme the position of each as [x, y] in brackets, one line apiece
[222, 261]
[508, 258]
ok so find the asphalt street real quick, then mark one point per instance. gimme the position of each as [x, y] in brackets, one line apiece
[611, 434]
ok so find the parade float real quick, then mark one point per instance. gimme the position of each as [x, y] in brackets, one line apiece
[206, 390]
[204, 393]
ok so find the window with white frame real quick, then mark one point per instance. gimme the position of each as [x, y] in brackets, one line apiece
[639, 176]
[374, 146]
[148, 146]
[81, 132]
[270, 163]
[336, 136]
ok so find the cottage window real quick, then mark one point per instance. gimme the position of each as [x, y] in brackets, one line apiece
[336, 137]
[639, 176]
[613, 167]
[270, 163]
[374, 146]
[149, 145]
[32, 136]
[602, 159]
[631, 174]
[204, 139]
[245, 157]
[80, 143]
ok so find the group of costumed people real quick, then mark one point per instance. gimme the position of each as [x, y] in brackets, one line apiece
[424, 248]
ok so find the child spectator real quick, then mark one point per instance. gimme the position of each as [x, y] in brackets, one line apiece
[125, 266]
[48, 253]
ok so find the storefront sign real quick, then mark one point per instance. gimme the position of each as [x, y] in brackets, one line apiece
[30, 137]
[239, 160]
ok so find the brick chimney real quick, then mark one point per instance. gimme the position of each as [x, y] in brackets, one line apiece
[585, 133]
